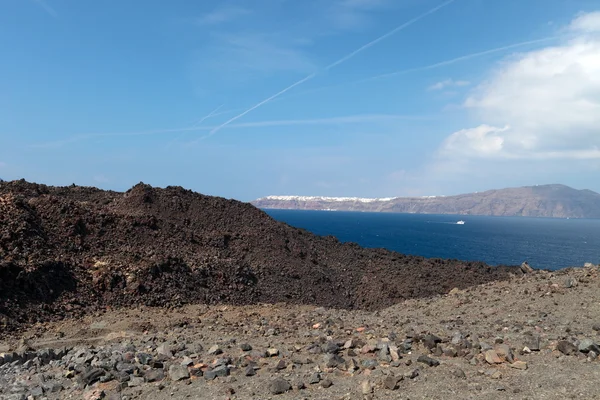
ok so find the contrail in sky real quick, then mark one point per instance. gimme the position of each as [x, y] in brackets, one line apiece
[230, 120]
[390, 33]
[458, 59]
[197, 123]
[210, 114]
[427, 67]
[330, 66]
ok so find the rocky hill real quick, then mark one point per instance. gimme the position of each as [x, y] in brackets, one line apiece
[68, 251]
[557, 201]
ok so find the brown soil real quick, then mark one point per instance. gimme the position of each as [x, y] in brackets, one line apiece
[69, 251]
[553, 306]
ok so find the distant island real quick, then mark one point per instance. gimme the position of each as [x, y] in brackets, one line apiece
[554, 201]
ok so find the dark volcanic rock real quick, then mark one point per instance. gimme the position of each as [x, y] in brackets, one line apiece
[279, 386]
[566, 347]
[178, 372]
[65, 251]
[221, 371]
[428, 360]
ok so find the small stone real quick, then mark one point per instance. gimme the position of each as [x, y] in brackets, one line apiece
[496, 375]
[154, 375]
[587, 345]
[333, 360]
[245, 347]
[567, 348]
[431, 341]
[123, 377]
[281, 365]
[125, 367]
[178, 372]
[331, 348]
[249, 371]
[428, 360]
[459, 373]
[221, 370]
[92, 376]
[368, 348]
[384, 354]
[570, 282]
[135, 381]
[279, 386]
[271, 332]
[412, 374]
[366, 388]
[504, 352]
[186, 362]
[533, 343]
[143, 358]
[390, 383]
[450, 352]
[215, 350]
[522, 365]
[326, 383]
[394, 353]
[457, 338]
[492, 358]
[165, 350]
[351, 365]
[272, 352]
[526, 268]
[369, 364]
[314, 378]
[596, 327]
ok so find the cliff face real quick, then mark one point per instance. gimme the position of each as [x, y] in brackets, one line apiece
[556, 201]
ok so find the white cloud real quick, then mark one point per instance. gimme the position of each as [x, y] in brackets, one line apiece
[222, 15]
[587, 22]
[448, 83]
[482, 141]
[550, 98]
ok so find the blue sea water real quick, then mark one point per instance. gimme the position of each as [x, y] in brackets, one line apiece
[544, 242]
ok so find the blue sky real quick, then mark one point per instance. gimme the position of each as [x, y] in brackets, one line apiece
[241, 99]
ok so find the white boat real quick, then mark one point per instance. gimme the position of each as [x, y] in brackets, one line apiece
[461, 222]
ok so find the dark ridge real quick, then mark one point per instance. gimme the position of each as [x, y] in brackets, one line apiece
[66, 251]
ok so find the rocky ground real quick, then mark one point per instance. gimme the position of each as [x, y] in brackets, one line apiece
[533, 336]
[70, 251]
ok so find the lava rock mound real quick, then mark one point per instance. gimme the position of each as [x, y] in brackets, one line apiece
[66, 251]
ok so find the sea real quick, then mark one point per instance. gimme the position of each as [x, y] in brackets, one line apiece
[545, 243]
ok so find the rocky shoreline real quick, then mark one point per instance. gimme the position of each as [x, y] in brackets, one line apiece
[532, 337]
